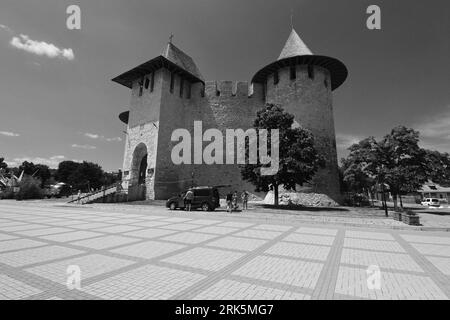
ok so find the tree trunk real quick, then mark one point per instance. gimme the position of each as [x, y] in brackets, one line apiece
[394, 198]
[401, 202]
[384, 201]
[275, 194]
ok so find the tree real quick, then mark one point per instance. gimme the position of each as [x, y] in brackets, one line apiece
[3, 164]
[298, 161]
[40, 171]
[396, 160]
[438, 167]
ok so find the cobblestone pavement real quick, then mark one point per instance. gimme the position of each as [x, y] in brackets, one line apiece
[152, 253]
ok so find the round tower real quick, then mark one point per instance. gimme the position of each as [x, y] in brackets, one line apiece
[302, 83]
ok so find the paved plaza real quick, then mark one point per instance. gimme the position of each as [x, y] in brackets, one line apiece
[152, 253]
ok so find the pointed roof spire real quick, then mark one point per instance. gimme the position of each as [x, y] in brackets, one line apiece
[294, 47]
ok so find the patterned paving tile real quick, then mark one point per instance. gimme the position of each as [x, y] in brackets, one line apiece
[272, 227]
[235, 224]
[259, 234]
[17, 244]
[205, 222]
[354, 282]
[234, 290]
[379, 245]
[286, 271]
[148, 249]
[310, 239]
[398, 261]
[91, 225]
[443, 264]
[180, 226]
[426, 239]
[41, 232]
[318, 231]
[216, 230]
[206, 259]
[12, 289]
[299, 250]
[145, 283]
[6, 237]
[149, 233]
[71, 236]
[152, 224]
[174, 219]
[90, 266]
[369, 235]
[117, 229]
[23, 227]
[432, 249]
[190, 237]
[104, 242]
[37, 255]
[236, 243]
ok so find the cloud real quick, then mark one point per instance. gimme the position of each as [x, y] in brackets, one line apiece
[41, 48]
[85, 147]
[52, 162]
[6, 28]
[92, 135]
[344, 141]
[9, 134]
[100, 137]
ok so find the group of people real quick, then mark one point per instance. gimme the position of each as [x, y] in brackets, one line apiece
[232, 201]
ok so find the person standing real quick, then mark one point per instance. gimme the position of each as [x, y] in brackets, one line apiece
[79, 196]
[188, 198]
[235, 201]
[244, 200]
[229, 200]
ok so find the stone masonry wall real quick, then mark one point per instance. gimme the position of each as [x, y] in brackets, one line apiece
[310, 101]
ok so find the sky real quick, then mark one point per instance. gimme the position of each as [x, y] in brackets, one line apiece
[57, 100]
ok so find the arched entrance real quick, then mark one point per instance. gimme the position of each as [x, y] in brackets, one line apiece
[137, 187]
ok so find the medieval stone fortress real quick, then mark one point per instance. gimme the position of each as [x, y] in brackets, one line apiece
[169, 92]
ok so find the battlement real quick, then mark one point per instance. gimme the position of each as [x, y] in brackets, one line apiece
[238, 89]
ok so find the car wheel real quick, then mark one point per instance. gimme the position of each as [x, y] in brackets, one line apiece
[173, 206]
[205, 207]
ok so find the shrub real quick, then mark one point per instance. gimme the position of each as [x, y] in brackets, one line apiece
[30, 188]
[7, 194]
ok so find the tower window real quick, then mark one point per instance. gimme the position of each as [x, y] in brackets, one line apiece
[276, 78]
[172, 81]
[293, 73]
[189, 90]
[147, 83]
[311, 71]
[202, 92]
[152, 82]
[141, 87]
[181, 87]
[325, 82]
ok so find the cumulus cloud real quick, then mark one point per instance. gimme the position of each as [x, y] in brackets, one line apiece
[41, 48]
[84, 146]
[9, 134]
[52, 162]
[92, 135]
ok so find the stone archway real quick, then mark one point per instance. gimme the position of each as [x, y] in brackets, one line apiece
[137, 187]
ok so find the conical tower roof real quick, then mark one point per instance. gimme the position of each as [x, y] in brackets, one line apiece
[181, 59]
[294, 47]
[296, 52]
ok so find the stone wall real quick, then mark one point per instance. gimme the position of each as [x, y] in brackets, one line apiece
[310, 101]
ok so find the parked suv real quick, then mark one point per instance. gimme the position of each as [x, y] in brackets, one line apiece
[431, 202]
[206, 198]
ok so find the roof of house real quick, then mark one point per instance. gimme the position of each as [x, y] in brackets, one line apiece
[171, 58]
[433, 187]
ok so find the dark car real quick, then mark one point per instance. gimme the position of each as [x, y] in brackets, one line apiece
[206, 198]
